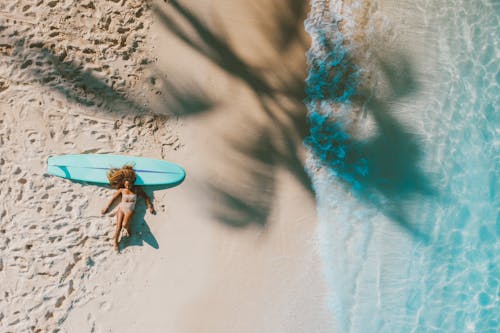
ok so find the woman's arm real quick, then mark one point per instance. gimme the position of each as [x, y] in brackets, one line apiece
[115, 196]
[143, 194]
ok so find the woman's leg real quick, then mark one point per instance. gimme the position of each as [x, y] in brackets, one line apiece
[118, 228]
[126, 222]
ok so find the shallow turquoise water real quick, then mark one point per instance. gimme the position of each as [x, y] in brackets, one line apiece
[409, 215]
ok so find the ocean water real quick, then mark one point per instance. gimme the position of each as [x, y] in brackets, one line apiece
[403, 101]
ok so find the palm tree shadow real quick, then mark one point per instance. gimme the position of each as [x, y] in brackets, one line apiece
[381, 171]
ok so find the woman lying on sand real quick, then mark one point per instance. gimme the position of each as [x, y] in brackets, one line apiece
[123, 180]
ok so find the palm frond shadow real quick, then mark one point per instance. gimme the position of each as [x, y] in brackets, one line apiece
[80, 85]
[84, 87]
[284, 28]
[383, 170]
[238, 206]
[249, 198]
[184, 98]
[212, 46]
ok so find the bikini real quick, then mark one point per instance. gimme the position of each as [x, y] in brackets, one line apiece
[128, 202]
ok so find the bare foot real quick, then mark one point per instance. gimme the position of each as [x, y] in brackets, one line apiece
[125, 232]
[116, 247]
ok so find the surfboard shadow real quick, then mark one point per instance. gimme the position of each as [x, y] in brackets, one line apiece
[149, 189]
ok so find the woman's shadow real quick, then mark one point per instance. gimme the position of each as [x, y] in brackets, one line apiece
[140, 233]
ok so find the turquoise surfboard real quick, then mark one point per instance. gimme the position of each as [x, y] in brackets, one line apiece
[94, 167]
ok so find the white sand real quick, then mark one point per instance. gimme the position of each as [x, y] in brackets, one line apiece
[233, 248]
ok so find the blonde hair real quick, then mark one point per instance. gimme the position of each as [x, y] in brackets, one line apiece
[117, 177]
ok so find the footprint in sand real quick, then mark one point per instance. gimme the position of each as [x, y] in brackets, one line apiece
[105, 306]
